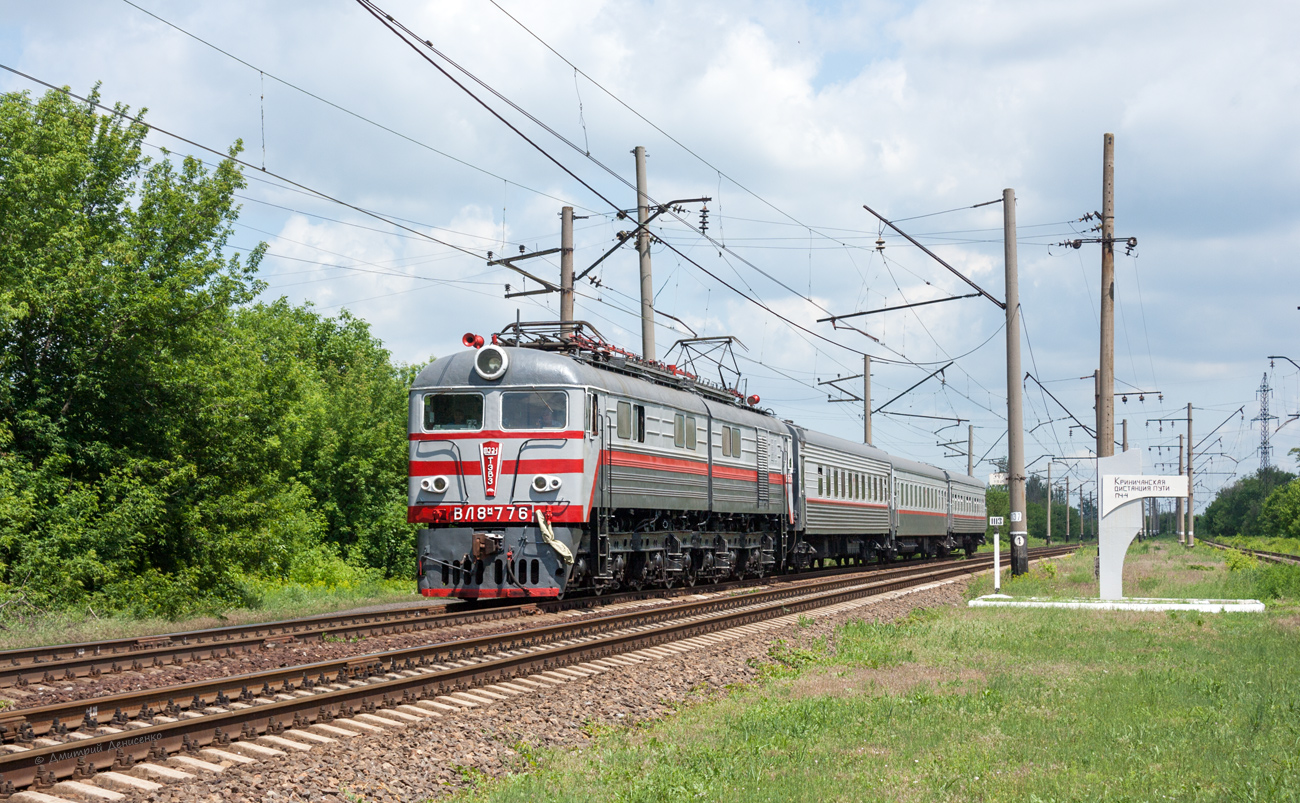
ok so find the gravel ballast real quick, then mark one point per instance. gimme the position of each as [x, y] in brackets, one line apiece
[434, 757]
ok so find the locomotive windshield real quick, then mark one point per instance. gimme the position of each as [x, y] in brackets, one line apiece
[534, 409]
[446, 411]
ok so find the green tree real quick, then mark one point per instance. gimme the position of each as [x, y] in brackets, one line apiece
[1280, 514]
[162, 437]
[1236, 508]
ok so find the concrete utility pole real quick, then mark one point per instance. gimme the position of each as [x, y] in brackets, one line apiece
[1049, 502]
[1191, 494]
[866, 399]
[1124, 440]
[643, 248]
[1178, 516]
[970, 450]
[1106, 390]
[1018, 525]
[1067, 508]
[566, 268]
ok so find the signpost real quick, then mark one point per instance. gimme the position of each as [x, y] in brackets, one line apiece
[995, 522]
[1121, 486]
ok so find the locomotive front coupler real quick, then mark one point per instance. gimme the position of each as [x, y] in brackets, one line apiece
[484, 545]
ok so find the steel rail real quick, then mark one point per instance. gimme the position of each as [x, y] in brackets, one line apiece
[200, 694]
[63, 662]
[618, 633]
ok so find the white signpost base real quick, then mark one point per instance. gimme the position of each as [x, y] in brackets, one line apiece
[1119, 524]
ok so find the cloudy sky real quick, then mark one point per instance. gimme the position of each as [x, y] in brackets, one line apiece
[790, 116]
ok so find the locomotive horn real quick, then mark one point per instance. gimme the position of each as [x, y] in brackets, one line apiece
[468, 340]
[753, 399]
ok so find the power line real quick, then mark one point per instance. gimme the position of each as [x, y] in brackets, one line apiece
[344, 109]
[140, 121]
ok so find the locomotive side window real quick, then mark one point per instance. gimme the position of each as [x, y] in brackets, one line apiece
[639, 409]
[593, 416]
[730, 436]
[450, 411]
[534, 409]
[679, 431]
[735, 442]
[691, 432]
[625, 420]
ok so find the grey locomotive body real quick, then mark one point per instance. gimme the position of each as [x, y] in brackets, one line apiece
[543, 472]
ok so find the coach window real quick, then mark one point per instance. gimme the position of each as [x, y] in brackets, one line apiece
[625, 420]
[534, 409]
[820, 492]
[451, 411]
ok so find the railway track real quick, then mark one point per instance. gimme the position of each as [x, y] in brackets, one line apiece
[64, 662]
[1269, 557]
[333, 697]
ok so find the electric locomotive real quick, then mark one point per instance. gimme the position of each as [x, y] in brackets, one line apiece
[549, 462]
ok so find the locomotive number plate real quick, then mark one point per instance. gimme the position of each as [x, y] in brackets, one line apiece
[505, 513]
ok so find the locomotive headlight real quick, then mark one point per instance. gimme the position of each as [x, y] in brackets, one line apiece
[435, 485]
[543, 483]
[491, 362]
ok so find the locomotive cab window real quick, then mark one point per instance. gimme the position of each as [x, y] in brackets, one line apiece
[452, 411]
[534, 409]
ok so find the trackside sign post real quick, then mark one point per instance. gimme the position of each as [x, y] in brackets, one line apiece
[995, 522]
[1122, 485]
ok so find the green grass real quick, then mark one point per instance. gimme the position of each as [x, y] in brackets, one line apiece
[276, 600]
[964, 704]
[1289, 546]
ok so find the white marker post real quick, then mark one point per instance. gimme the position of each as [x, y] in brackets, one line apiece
[995, 522]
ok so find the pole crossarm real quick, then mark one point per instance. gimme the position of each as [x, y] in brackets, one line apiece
[912, 388]
[936, 258]
[900, 306]
[508, 262]
[624, 236]
[1280, 357]
[935, 417]
[1072, 416]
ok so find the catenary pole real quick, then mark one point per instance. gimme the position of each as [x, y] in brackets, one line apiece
[1191, 494]
[1178, 516]
[1018, 530]
[1106, 391]
[1049, 502]
[1124, 440]
[643, 248]
[566, 268]
[866, 399]
[1067, 508]
[970, 450]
